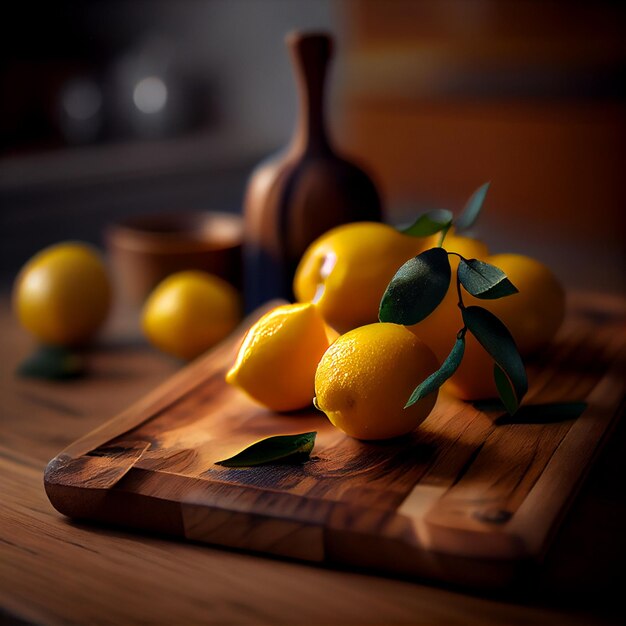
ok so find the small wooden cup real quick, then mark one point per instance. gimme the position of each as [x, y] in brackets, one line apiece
[145, 249]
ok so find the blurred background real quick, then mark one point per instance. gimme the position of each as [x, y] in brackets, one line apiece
[111, 109]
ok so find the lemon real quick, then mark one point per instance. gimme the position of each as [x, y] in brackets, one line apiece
[533, 316]
[366, 377]
[189, 312]
[346, 271]
[278, 357]
[439, 329]
[62, 295]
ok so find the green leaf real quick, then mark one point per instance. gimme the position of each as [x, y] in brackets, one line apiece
[505, 391]
[495, 337]
[52, 363]
[436, 379]
[280, 448]
[472, 209]
[417, 288]
[484, 280]
[430, 223]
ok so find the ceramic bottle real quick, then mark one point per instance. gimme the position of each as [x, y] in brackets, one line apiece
[294, 197]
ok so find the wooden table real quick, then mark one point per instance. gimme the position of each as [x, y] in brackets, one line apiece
[53, 571]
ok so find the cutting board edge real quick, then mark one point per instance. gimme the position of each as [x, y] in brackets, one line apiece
[339, 546]
[78, 502]
[596, 424]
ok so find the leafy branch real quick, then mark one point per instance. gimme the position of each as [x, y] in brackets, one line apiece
[441, 220]
[420, 285]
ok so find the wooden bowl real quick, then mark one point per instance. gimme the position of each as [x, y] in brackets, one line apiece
[145, 249]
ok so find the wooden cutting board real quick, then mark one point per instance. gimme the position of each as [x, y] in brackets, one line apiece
[471, 496]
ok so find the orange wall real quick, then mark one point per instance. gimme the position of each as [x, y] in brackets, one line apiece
[420, 103]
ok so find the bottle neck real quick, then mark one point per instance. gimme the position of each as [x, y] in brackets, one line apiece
[310, 132]
[310, 55]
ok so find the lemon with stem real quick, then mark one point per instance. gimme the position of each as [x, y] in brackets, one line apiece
[365, 378]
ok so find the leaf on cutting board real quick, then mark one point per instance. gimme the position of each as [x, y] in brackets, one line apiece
[276, 449]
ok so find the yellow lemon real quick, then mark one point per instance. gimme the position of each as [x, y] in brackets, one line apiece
[533, 316]
[278, 357]
[345, 271]
[189, 312]
[439, 329]
[366, 377]
[62, 295]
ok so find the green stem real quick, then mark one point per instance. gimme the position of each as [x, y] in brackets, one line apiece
[444, 232]
[458, 290]
[458, 282]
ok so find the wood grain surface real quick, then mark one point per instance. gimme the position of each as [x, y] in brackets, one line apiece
[57, 572]
[470, 497]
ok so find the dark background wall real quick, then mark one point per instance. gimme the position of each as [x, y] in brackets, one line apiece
[435, 97]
